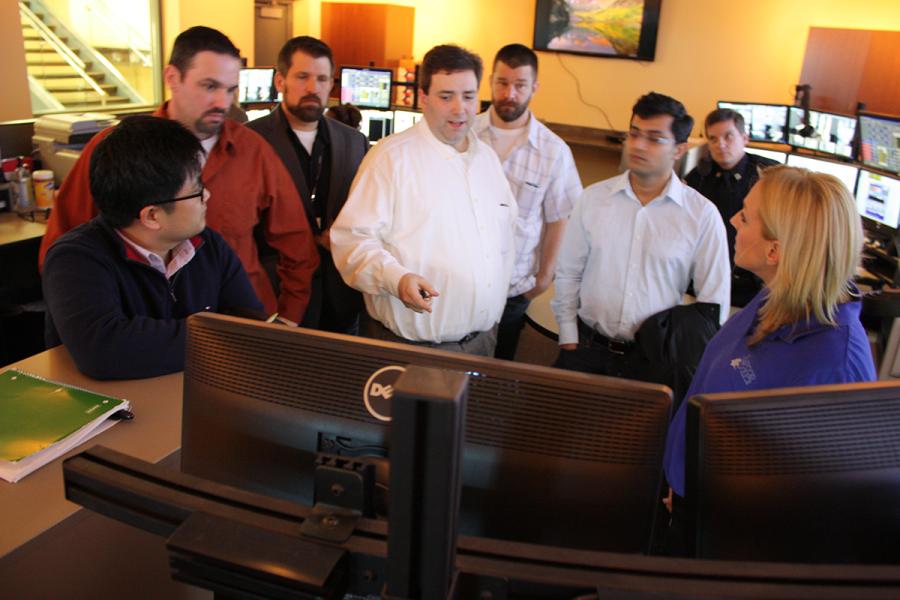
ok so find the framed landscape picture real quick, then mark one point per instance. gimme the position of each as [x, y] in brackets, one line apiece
[612, 28]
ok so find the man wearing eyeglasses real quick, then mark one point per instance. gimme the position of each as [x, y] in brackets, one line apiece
[252, 187]
[119, 287]
[633, 245]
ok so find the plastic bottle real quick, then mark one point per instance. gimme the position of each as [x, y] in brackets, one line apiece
[22, 193]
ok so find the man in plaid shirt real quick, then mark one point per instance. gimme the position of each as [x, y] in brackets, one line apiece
[542, 175]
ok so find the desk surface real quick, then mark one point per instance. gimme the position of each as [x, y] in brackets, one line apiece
[38, 502]
[15, 229]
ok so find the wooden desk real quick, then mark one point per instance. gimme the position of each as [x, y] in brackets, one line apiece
[50, 547]
[14, 229]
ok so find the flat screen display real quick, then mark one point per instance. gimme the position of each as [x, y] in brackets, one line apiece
[846, 173]
[879, 141]
[376, 124]
[831, 132]
[772, 154]
[763, 122]
[878, 198]
[256, 85]
[404, 119]
[621, 29]
[366, 87]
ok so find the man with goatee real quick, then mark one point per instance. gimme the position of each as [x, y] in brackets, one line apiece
[542, 175]
[322, 156]
[249, 184]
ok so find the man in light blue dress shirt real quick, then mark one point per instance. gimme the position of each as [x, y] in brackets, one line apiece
[633, 245]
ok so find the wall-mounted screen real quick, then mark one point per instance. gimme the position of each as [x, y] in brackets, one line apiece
[256, 85]
[772, 154]
[829, 132]
[879, 141]
[763, 122]
[878, 198]
[598, 27]
[366, 87]
[846, 173]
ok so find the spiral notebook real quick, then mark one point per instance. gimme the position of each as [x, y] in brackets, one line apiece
[41, 420]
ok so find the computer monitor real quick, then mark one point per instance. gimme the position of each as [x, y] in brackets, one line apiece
[805, 474]
[257, 84]
[831, 132]
[878, 198]
[879, 141]
[772, 154]
[366, 87]
[239, 543]
[404, 119]
[376, 124]
[846, 173]
[763, 122]
[551, 456]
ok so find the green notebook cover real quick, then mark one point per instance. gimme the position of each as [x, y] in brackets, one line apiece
[36, 413]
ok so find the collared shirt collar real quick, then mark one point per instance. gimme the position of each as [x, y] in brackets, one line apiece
[446, 150]
[181, 254]
[674, 189]
[226, 139]
[739, 168]
[483, 122]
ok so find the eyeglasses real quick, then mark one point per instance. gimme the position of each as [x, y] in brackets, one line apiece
[636, 134]
[197, 194]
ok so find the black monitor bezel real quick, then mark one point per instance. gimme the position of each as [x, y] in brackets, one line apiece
[859, 117]
[784, 125]
[854, 118]
[870, 223]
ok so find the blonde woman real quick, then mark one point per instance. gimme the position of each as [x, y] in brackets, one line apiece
[799, 232]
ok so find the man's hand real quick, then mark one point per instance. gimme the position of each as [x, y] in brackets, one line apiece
[416, 293]
[324, 239]
[541, 283]
[568, 346]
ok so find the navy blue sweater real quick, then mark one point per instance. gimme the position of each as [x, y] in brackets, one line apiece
[122, 319]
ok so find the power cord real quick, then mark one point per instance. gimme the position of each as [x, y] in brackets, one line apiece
[578, 91]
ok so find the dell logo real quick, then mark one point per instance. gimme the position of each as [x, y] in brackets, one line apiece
[380, 389]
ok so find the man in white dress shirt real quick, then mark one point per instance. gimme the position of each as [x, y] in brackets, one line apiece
[542, 175]
[633, 245]
[427, 231]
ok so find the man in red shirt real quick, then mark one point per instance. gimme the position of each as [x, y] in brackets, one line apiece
[248, 181]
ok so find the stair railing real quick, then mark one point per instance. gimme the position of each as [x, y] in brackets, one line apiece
[64, 51]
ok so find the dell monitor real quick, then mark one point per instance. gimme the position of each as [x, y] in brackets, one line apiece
[829, 132]
[366, 87]
[804, 474]
[762, 122]
[878, 198]
[550, 456]
[879, 141]
[256, 85]
[779, 157]
[846, 173]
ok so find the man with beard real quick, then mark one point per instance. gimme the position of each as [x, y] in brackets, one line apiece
[633, 244]
[241, 171]
[542, 175]
[322, 156]
[427, 231]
